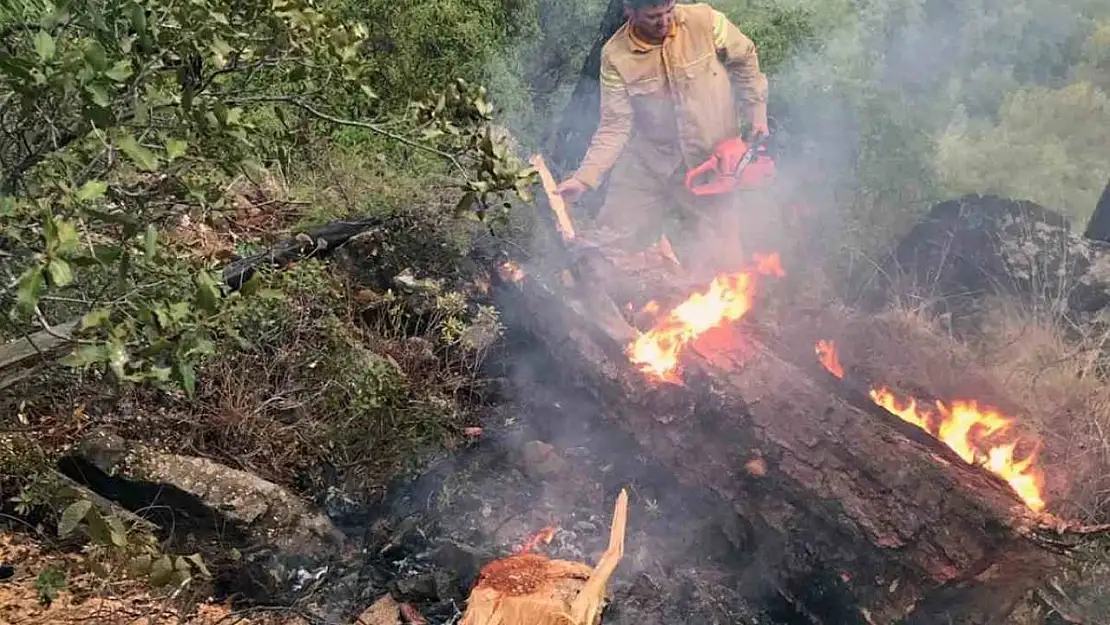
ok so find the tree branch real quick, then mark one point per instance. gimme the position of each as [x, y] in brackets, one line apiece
[311, 110]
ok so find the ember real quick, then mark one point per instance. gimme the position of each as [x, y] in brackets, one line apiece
[728, 298]
[827, 353]
[544, 536]
[965, 427]
[510, 271]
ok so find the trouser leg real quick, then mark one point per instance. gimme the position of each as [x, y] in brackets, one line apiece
[635, 205]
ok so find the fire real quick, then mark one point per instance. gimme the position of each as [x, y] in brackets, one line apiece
[966, 428]
[728, 298]
[510, 271]
[826, 351]
[545, 536]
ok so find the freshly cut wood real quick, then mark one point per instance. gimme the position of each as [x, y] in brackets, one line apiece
[554, 200]
[531, 589]
[851, 515]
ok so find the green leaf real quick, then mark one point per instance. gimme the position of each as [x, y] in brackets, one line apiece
[117, 531]
[120, 71]
[99, 531]
[68, 240]
[138, 19]
[198, 564]
[251, 286]
[44, 46]
[96, 57]
[161, 571]
[85, 355]
[207, 293]
[72, 516]
[187, 376]
[141, 564]
[29, 290]
[92, 190]
[138, 154]
[60, 272]
[150, 241]
[100, 95]
[175, 148]
[95, 318]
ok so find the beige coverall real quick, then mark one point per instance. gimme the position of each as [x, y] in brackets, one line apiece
[663, 109]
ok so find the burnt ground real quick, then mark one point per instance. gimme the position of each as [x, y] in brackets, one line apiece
[426, 542]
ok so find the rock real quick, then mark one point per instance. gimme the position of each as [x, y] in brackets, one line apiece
[384, 611]
[261, 508]
[978, 246]
[466, 562]
[418, 588]
[538, 459]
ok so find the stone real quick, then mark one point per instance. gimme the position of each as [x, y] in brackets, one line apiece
[539, 459]
[384, 611]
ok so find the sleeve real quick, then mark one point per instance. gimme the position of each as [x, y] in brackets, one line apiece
[613, 131]
[742, 61]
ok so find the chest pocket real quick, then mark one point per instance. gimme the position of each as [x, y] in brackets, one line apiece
[705, 68]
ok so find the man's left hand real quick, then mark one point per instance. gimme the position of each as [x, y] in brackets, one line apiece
[759, 128]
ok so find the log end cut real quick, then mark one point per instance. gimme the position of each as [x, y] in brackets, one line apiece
[526, 588]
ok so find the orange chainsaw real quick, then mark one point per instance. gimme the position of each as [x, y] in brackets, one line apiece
[735, 164]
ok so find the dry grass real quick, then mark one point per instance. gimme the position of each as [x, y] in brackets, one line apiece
[90, 599]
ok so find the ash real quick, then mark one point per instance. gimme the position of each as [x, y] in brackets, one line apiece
[545, 459]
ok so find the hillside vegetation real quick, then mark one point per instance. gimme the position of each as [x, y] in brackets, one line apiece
[143, 145]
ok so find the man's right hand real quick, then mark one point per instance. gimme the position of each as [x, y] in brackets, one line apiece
[571, 189]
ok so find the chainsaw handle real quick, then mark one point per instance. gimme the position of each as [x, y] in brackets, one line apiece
[708, 167]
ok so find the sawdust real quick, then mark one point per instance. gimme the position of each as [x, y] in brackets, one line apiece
[529, 573]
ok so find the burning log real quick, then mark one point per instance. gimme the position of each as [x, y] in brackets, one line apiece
[531, 589]
[852, 514]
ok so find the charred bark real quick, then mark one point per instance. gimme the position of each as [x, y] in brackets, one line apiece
[853, 515]
[311, 244]
[979, 246]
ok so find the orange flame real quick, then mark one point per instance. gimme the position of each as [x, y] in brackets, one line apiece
[545, 536]
[510, 271]
[965, 428]
[826, 351]
[728, 298]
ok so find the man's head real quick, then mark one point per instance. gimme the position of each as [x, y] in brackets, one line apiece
[652, 19]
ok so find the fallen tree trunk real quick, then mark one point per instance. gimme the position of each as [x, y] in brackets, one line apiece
[852, 515]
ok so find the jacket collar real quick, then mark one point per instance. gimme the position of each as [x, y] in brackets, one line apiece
[638, 45]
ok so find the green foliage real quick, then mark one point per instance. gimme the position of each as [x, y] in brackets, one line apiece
[414, 46]
[115, 118]
[119, 119]
[49, 583]
[110, 544]
[1049, 146]
[461, 119]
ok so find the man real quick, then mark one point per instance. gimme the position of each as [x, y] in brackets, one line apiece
[667, 81]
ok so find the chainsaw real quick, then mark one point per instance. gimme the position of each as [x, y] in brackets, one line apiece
[735, 164]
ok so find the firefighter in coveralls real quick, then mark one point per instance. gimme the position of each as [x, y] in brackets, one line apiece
[668, 78]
